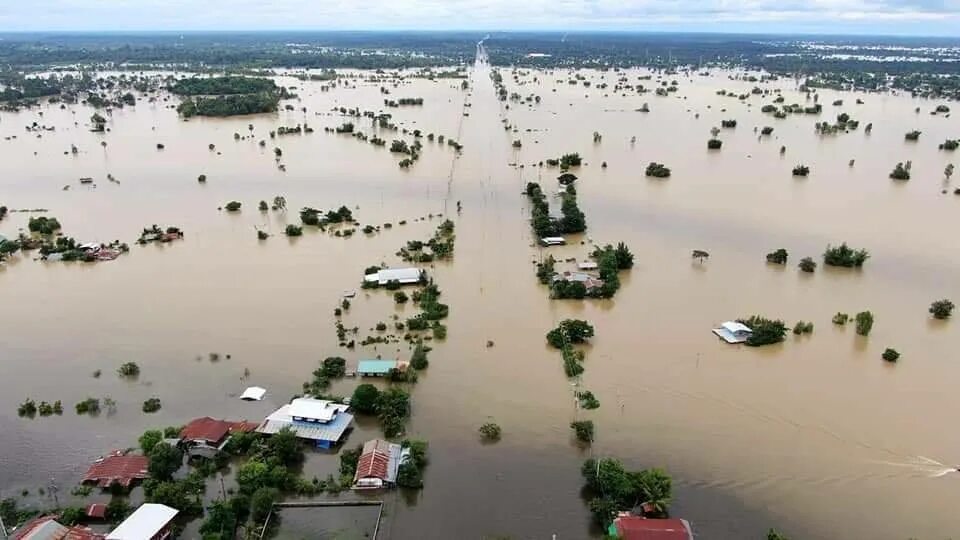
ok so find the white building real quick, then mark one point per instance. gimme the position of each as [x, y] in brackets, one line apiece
[733, 332]
[149, 522]
[404, 276]
[321, 421]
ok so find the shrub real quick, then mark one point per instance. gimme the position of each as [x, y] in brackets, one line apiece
[807, 264]
[845, 256]
[777, 257]
[912, 135]
[89, 405]
[767, 130]
[803, 328]
[43, 225]
[801, 170]
[129, 369]
[293, 230]
[334, 367]
[365, 398]
[765, 331]
[233, 206]
[941, 309]
[657, 170]
[841, 319]
[583, 430]
[890, 355]
[570, 331]
[418, 360]
[490, 431]
[728, 123]
[900, 172]
[864, 321]
[151, 405]
[714, 144]
[588, 400]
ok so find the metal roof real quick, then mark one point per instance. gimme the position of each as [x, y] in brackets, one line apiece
[144, 523]
[734, 326]
[117, 468]
[639, 528]
[253, 393]
[315, 409]
[212, 430]
[376, 367]
[402, 275]
[329, 431]
[380, 459]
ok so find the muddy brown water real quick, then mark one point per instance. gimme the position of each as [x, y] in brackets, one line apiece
[816, 436]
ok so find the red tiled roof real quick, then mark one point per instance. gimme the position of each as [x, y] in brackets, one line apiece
[638, 528]
[97, 510]
[117, 468]
[58, 531]
[374, 461]
[212, 430]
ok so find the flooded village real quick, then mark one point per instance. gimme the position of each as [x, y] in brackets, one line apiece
[478, 301]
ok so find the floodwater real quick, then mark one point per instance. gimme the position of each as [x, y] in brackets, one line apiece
[817, 436]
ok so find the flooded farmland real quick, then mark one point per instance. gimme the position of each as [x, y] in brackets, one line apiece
[816, 436]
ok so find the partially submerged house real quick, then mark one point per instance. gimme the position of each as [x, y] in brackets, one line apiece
[630, 527]
[548, 241]
[378, 465]
[378, 368]
[589, 281]
[149, 522]
[733, 332]
[206, 436]
[117, 468]
[403, 276]
[320, 421]
[48, 528]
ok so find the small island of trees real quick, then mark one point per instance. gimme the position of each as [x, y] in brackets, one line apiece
[845, 256]
[901, 172]
[801, 170]
[227, 96]
[765, 331]
[657, 170]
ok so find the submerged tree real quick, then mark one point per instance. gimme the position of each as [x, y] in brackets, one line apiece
[941, 309]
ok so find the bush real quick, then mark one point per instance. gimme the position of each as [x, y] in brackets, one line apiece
[88, 406]
[149, 439]
[365, 398]
[728, 123]
[801, 170]
[912, 135]
[864, 321]
[129, 369]
[293, 230]
[714, 144]
[841, 319]
[941, 309]
[657, 170]
[334, 367]
[233, 206]
[490, 431]
[900, 172]
[777, 257]
[570, 331]
[845, 256]
[151, 405]
[583, 430]
[890, 355]
[765, 331]
[43, 225]
[807, 265]
[418, 360]
[803, 328]
[588, 400]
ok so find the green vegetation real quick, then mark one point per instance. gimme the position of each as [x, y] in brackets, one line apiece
[774, 534]
[129, 370]
[864, 321]
[438, 248]
[901, 172]
[418, 360]
[164, 461]
[233, 206]
[570, 331]
[219, 86]
[587, 400]
[393, 408]
[151, 405]
[410, 474]
[365, 399]
[714, 144]
[801, 170]
[572, 220]
[229, 105]
[728, 124]
[583, 430]
[950, 144]
[611, 489]
[890, 355]
[765, 331]
[912, 135]
[840, 319]
[808, 265]
[657, 170]
[43, 225]
[293, 230]
[941, 309]
[88, 406]
[845, 256]
[149, 439]
[803, 328]
[490, 431]
[777, 257]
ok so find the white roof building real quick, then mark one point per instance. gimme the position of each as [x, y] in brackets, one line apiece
[146, 523]
[401, 275]
[733, 332]
[253, 393]
[318, 420]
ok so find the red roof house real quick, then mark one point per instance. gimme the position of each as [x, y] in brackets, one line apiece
[628, 527]
[378, 465]
[117, 468]
[97, 511]
[47, 528]
[211, 431]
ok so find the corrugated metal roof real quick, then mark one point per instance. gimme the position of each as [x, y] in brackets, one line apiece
[380, 459]
[402, 275]
[316, 409]
[639, 528]
[144, 523]
[117, 468]
[375, 367]
[329, 431]
[212, 430]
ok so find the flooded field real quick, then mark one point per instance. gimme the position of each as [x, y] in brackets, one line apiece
[817, 436]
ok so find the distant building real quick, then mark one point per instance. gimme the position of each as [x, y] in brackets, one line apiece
[378, 465]
[733, 332]
[117, 468]
[318, 420]
[403, 276]
[48, 528]
[630, 527]
[589, 281]
[548, 241]
[378, 368]
[149, 522]
[206, 436]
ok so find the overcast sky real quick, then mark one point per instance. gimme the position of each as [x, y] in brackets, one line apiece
[902, 17]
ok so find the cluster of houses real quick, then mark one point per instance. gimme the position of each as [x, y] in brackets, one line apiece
[148, 522]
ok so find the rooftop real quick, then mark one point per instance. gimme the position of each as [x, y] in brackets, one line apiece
[402, 275]
[380, 459]
[144, 523]
[117, 468]
[330, 431]
[315, 409]
[640, 528]
[212, 430]
[376, 367]
[47, 528]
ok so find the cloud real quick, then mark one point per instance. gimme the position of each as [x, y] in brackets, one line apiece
[918, 16]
